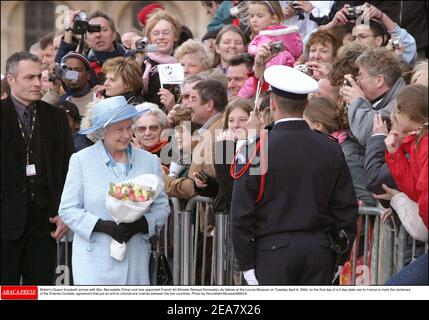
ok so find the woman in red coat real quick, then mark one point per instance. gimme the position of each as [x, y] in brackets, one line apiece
[410, 172]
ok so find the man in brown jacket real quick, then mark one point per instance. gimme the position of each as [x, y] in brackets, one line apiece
[208, 101]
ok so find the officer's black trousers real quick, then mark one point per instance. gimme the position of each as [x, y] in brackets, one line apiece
[296, 258]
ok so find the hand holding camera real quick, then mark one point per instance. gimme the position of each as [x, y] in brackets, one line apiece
[302, 6]
[77, 22]
[302, 67]
[395, 45]
[142, 46]
[263, 55]
[200, 179]
[276, 47]
[353, 13]
[298, 10]
[351, 92]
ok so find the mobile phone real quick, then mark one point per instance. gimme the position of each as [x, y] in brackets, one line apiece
[346, 83]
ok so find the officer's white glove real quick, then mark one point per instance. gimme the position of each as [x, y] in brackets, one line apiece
[250, 277]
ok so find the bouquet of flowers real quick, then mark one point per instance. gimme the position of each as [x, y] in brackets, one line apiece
[130, 191]
[128, 201]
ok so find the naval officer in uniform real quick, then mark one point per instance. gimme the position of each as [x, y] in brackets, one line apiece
[284, 238]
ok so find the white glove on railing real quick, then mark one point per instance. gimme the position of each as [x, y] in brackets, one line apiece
[250, 277]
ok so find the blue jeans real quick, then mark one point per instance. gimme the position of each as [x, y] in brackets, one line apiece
[415, 274]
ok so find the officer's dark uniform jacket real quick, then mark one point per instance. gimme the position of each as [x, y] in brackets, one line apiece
[308, 189]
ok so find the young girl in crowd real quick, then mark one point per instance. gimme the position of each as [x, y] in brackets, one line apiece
[411, 175]
[268, 15]
[408, 162]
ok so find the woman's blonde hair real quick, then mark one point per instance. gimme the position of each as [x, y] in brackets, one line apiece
[127, 69]
[412, 101]
[159, 15]
[192, 46]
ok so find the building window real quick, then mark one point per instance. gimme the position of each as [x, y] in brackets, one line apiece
[39, 20]
[135, 11]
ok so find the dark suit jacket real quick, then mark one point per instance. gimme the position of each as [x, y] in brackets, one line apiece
[57, 145]
[308, 188]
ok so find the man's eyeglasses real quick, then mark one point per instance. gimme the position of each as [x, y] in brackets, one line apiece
[360, 77]
[142, 129]
[362, 36]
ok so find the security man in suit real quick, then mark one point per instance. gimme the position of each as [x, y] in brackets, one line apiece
[36, 146]
[284, 237]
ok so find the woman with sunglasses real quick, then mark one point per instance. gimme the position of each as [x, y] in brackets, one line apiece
[148, 130]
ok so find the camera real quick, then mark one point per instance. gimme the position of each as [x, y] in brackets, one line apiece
[240, 10]
[61, 71]
[354, 12]
[302, 67]
[298, 11]
[276, 47]
[296, 7]
[143, 46]
[396, 43]
[81, 24]
[202, 176]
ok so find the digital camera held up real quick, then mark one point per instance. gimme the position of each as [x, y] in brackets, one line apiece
[302, 67]
[354, 12]
[142, 45]
[81, 24]
[296, 7]
[61, 71]
[277, 47]
[396, 43]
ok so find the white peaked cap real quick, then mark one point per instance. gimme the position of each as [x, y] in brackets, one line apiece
[289, 82]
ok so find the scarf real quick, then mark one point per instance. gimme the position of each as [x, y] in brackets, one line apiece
[157, 147]
[151, 67]
[341, 136]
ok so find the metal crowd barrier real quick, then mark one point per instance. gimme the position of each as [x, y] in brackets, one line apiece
[387, 251]
[187, 235]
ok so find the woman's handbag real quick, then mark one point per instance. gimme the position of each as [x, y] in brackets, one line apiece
[159, 271]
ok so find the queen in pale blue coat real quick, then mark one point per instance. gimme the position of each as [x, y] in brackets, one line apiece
[83, 202]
